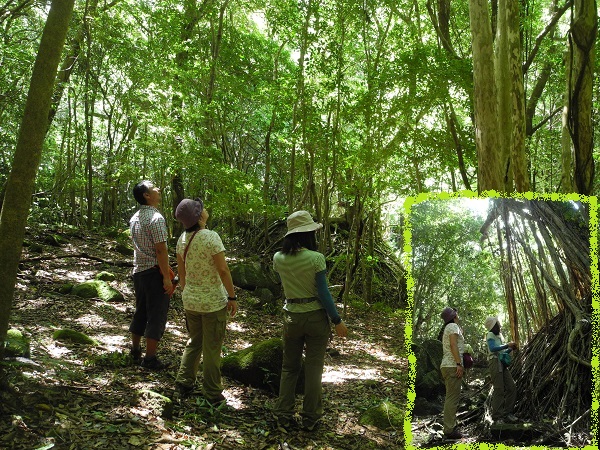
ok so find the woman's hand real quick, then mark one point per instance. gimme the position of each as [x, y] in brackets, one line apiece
[341, 330]
[232, 307]
[459, 371]
[513, 346]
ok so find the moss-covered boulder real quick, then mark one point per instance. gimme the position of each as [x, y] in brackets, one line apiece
[158, 403]
[66, 288]
[16, 344]
[124, 249]
[384, 416]
[105, 276]
[258, 365]
[113, 233]
[428, 382]
[254, 275]
[33, 247]
[55, 240]
[97, 289]
[76, 337]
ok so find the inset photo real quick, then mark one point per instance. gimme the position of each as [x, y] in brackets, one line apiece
[503, 320]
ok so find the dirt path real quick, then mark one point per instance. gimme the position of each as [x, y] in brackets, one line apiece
[79, 397]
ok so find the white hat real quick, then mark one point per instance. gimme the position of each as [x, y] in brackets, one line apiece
[490, 322]
[300, 222]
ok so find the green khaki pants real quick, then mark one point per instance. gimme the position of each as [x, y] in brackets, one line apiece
[207, 331]
[505, 392]
[453, 385]
[310, 329]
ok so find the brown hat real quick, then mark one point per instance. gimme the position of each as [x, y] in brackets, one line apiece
[448, 314]
[300, 222]
[188, 212]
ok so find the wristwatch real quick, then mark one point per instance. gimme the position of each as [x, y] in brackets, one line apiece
[232, 299]
[459, 364]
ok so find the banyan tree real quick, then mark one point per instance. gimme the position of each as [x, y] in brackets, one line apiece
[544, 249]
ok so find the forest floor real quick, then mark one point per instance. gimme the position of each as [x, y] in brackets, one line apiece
[69, 396]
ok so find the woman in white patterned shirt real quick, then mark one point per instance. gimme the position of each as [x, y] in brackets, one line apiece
[208, 299]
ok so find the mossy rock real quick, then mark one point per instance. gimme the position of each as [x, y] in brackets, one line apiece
[265, 295]
[258, 365]
[254, 275]
[98, 288]
[105, 276]
[113, 233]
[16, 345]
[66, 288]
[54, 240]
[384, 416]
[161, 405]
[73, 336]
[34, 247]
[124, 249]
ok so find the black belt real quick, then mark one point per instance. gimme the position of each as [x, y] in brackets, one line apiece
[302, 300]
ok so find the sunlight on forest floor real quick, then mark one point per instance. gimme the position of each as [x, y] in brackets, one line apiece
[340, 376]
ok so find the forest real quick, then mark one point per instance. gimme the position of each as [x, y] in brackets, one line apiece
[344, 109]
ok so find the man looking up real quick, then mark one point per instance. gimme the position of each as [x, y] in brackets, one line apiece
[151, 275]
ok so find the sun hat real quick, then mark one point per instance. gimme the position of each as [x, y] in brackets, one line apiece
[490, 323]
[448, 314]
[188, 212]
[300, 222]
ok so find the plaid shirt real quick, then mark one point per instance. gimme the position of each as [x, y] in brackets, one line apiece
[148, 227]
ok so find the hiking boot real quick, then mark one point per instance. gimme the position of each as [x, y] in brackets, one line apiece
[284, 423]
[184, 390]
[217, 401]
[310, 425]
[136, 354]
[152, 363]
[455, 434]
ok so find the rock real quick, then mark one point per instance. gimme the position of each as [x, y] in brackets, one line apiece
[258, 365]
[113, 233]
[54, 240]
[428, 382]
[431, 385]
[98, 288]
[265, 296]
[158, 403]
[35, 248]
[73, 336]
[384, 416]
[124, 249]
[105, 276]
[423, 407]
[253, 275]
[17, 345]
[66, 288]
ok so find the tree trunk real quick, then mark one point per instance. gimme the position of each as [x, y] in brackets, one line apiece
[70, 61]
[503, 90]
[15, 208]
[582, 39]
[486, 111]
[299, 105]
[89, 106]
[518, 160]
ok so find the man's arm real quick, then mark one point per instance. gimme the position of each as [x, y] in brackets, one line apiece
[162, 254]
